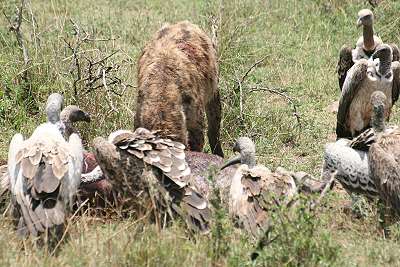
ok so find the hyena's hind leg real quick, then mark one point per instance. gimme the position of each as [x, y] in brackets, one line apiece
[214, 110]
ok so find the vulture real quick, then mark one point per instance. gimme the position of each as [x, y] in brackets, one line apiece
[347, 161]
[153, 173]
[384, 156]
[205, 177]
[71, 114]
[365, 77]
[44, 172]
[89, 187]
[255, 191]
[366, 45]
[364, 48]
[68, 116]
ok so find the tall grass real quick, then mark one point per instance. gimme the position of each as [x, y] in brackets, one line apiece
[299, 41]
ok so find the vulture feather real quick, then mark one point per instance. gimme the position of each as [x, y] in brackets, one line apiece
[365, 77]
[365, 46]
[384, 156]
[138, 166]
[255, 191]
[44, 172]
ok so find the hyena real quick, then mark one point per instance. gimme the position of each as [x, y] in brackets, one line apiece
[178, 83]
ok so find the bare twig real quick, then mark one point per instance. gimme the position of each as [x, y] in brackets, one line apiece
[102, 39]
[15, 27]
[288, 98]
[109, 99]
[93, 74]
[255, 64]
[105, 58]
[74, 50]
[240, 99]
[240, 82]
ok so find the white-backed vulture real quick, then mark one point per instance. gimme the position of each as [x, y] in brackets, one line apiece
[44, 172]
[256, 191]
[153, 173]
[384, 155]
[349, 166]
[68, 116]
[364, 48]
[365, 77]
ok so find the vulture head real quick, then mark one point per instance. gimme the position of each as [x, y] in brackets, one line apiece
[385, 55]
[247, 153]
[73, 114]
[378, 100]
[365, 18]
[69, 115]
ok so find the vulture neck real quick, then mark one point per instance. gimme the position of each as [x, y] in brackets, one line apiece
[368, 36]
[53, 109]
[378, 122]
[69, 129]
[385, 65]
[249, 158]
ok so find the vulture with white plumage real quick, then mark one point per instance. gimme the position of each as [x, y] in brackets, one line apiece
[365, 77]
[366, 45]
[153, 172]
[88, 189]
[256, 191]
[44, 172]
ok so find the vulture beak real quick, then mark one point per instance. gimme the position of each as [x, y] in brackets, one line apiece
[359, 22]
[86, 117]
[235, 160]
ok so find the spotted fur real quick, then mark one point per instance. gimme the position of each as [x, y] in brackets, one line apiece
[177, 80]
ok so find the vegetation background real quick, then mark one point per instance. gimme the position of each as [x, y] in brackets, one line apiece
[289, 50]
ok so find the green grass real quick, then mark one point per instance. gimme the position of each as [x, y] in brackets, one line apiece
[300, 41]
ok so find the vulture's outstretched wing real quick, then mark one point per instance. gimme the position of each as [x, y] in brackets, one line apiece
[126, 158]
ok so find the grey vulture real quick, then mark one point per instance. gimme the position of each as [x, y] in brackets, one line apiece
[151, 175]
[347, 161]
[384, 156]
[256, 191]
[68, 116]
[365, 46]
[44, 172]
[365, 77]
